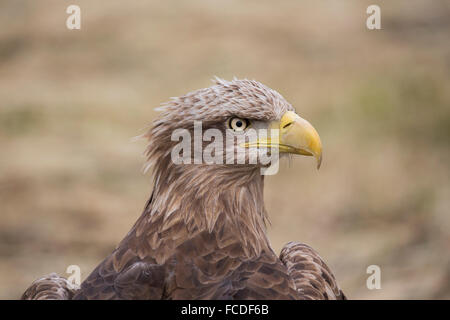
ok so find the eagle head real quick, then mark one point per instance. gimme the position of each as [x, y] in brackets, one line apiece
[237, 126]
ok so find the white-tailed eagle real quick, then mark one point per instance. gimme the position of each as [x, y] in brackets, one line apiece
[202, 234]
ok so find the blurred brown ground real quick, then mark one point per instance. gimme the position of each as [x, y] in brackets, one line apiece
[71, 184]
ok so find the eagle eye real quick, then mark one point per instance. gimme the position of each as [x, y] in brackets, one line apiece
[238, 124]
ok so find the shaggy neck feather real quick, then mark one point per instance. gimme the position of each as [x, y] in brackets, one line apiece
[202, 195]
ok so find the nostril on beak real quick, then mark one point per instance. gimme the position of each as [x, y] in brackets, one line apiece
[287, 124]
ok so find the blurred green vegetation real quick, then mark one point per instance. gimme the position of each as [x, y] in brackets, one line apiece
[18, 120]
[409, 107]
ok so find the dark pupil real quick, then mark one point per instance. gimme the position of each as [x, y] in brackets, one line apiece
[239, 123]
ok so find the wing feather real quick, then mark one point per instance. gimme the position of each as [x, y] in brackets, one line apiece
[51, 287]
[312, 277]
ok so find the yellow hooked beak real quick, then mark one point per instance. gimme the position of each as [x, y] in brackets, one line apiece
[296, 135]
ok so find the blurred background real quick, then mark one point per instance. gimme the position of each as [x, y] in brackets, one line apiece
[71, 184]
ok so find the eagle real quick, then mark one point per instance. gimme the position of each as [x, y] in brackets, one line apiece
[202, 233]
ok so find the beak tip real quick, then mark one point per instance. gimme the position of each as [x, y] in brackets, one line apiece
[319, 161]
